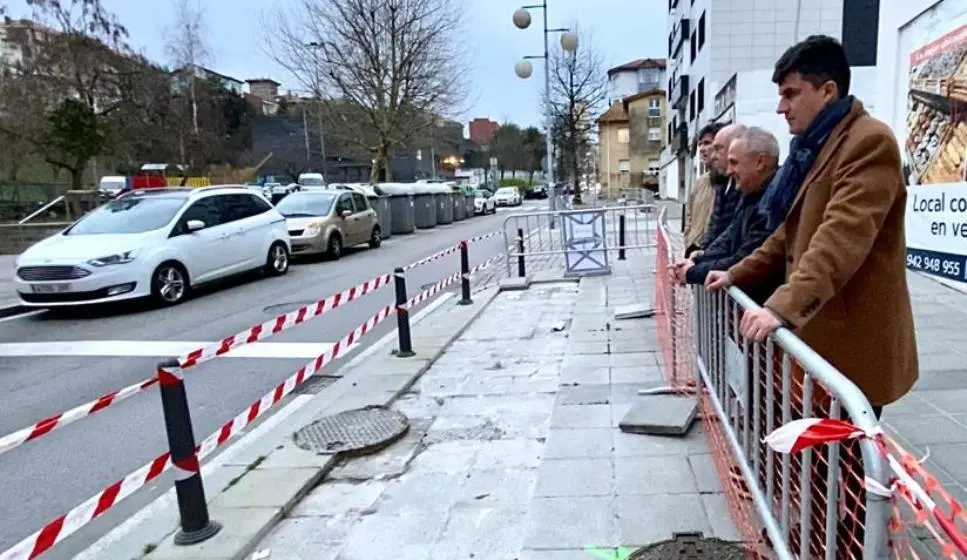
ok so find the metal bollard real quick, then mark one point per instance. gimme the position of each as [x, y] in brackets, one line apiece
[465, 274]
[402, 316]
[621, 237]
[521, 272]
[196, 526]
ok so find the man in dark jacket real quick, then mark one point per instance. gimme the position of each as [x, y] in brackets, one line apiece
[726, 195]
[753, 158]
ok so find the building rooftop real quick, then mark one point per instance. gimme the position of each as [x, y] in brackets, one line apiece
[615, 114]
[638, 64]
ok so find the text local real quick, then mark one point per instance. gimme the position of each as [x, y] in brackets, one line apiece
[939, 203]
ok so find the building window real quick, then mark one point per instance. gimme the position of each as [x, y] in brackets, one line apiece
[669, 130]
[701, 31]
[691, 106]
[693, 45]
[654, 107]
[701, 95]
[654, 134]
[623, 136]
[624, 165]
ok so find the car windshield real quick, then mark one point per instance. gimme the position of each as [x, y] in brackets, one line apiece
[130, 214]
[481, 194]
[306, 205]
[506, 190]
[312, 182]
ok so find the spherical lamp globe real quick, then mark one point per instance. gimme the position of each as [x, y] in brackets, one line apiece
[524, 69]
[522, 18]
[569, 41]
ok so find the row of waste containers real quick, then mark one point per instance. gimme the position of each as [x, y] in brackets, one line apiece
[405, 207]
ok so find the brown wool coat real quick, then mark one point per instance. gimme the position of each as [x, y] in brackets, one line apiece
[843, 250]
[699, 210]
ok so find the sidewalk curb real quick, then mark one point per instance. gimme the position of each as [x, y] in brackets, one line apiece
[269, 486]
[11, 309]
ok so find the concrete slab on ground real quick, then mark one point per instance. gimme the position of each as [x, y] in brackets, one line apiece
[669, 415]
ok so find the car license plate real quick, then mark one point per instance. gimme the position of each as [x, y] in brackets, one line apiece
[58, 288]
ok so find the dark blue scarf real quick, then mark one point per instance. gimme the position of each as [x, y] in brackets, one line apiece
[803, 150]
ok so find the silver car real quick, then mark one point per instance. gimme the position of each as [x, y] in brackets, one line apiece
[328, 221]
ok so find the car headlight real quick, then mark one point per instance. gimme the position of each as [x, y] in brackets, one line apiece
[119, 258]
[313, 229]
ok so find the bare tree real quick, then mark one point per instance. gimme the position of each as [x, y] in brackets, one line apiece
[187, 49]
[396, 62]
[578, 89]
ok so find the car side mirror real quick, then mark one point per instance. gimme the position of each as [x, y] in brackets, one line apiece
[194, 225]
[346, 213]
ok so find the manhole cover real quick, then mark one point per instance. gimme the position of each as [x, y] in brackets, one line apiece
[692, 546]
[354, 432]
[280, 308]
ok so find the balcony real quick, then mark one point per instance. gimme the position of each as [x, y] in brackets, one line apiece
[678, 37]
[672, 4]
[679, 139]
[678, 91]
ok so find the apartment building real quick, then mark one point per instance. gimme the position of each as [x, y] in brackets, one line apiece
[721, 54]
[631, 137]
[633, 77]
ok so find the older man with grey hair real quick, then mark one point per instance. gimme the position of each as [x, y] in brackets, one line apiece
[726, 195]
[753, 158]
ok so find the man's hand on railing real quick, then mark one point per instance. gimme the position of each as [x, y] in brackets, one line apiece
[758, 324]
[678, 270]
[718, 280]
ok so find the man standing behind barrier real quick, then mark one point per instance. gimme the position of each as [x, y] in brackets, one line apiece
[726, 195]
[840, 199]
[700, 202]
[752, 161]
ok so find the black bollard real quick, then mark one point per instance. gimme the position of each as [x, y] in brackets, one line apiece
[521, 272]
[196, 526]
[405, 349]
[465, 274]
[621, 237]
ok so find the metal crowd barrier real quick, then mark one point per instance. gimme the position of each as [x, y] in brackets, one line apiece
[809, 505]
[541, 239]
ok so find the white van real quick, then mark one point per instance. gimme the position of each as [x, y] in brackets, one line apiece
[112, 186]
[312, 180]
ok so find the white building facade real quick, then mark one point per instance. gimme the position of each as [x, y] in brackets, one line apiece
[721, 55]
[634, 77]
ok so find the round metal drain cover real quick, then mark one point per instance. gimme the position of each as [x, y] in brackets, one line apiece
[692, 546]
[280, 308]
[354, 432]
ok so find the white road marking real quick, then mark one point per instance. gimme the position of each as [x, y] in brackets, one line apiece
[162, 348]
[22, 315]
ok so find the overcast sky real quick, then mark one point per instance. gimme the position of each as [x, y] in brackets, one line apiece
[621, 30]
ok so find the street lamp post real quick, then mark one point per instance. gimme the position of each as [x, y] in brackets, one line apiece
[524, 69]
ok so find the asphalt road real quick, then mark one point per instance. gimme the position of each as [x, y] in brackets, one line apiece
[45, 478]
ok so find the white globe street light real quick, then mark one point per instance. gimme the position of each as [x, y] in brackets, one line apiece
[569, 41]
[522, 18]
[524, 69]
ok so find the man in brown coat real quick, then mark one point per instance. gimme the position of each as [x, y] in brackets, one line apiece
[702, 199]
[839, 203]
[840, 198]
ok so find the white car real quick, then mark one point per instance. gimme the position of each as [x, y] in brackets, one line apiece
[483, 202]
[508, 196]
[157, 243]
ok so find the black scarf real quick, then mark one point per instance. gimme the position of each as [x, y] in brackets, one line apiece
[803, 150]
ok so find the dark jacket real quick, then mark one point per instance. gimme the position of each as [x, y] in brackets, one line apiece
[747, 230]
[726, 198]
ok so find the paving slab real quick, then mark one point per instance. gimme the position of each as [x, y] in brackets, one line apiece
[661, 415]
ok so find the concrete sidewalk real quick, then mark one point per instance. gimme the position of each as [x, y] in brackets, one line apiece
[514, 450]
[932, 419]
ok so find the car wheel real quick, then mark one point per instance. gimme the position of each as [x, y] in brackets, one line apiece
[277, 261]
[376, 238]
[334, 246]
[169, 284]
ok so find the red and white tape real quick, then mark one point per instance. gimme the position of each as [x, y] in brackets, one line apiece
[51, 423]
[67, 524]
[445, 283]
[282, 322]
[477, 238]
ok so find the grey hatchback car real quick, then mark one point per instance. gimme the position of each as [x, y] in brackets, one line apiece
[328, 221]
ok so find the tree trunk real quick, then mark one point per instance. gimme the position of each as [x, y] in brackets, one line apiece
[381, 172]
[575, 169]
[77, 177]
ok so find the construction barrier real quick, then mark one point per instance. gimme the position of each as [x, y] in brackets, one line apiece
[187, 462]
[806, 467]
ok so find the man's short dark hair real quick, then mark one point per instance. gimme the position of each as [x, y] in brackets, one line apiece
[712, 128]
[818, 59]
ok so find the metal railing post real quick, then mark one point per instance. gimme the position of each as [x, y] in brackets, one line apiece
[405, 349]
[465, 274]
[521, 271]
[196, 526]
[621, 237]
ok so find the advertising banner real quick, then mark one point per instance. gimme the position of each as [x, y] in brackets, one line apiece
[936, 229]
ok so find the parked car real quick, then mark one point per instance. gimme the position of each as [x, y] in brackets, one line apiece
[508, 196]
[328, 221]
[158, 243]
[483, 202]
[537, 191]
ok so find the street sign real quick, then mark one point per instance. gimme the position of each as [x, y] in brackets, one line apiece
[585, 243]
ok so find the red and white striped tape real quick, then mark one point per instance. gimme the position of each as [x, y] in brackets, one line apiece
[477, 238]
[67, 524]
[446, 282]
[435, 256]
[51, 423]
[282, 322]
